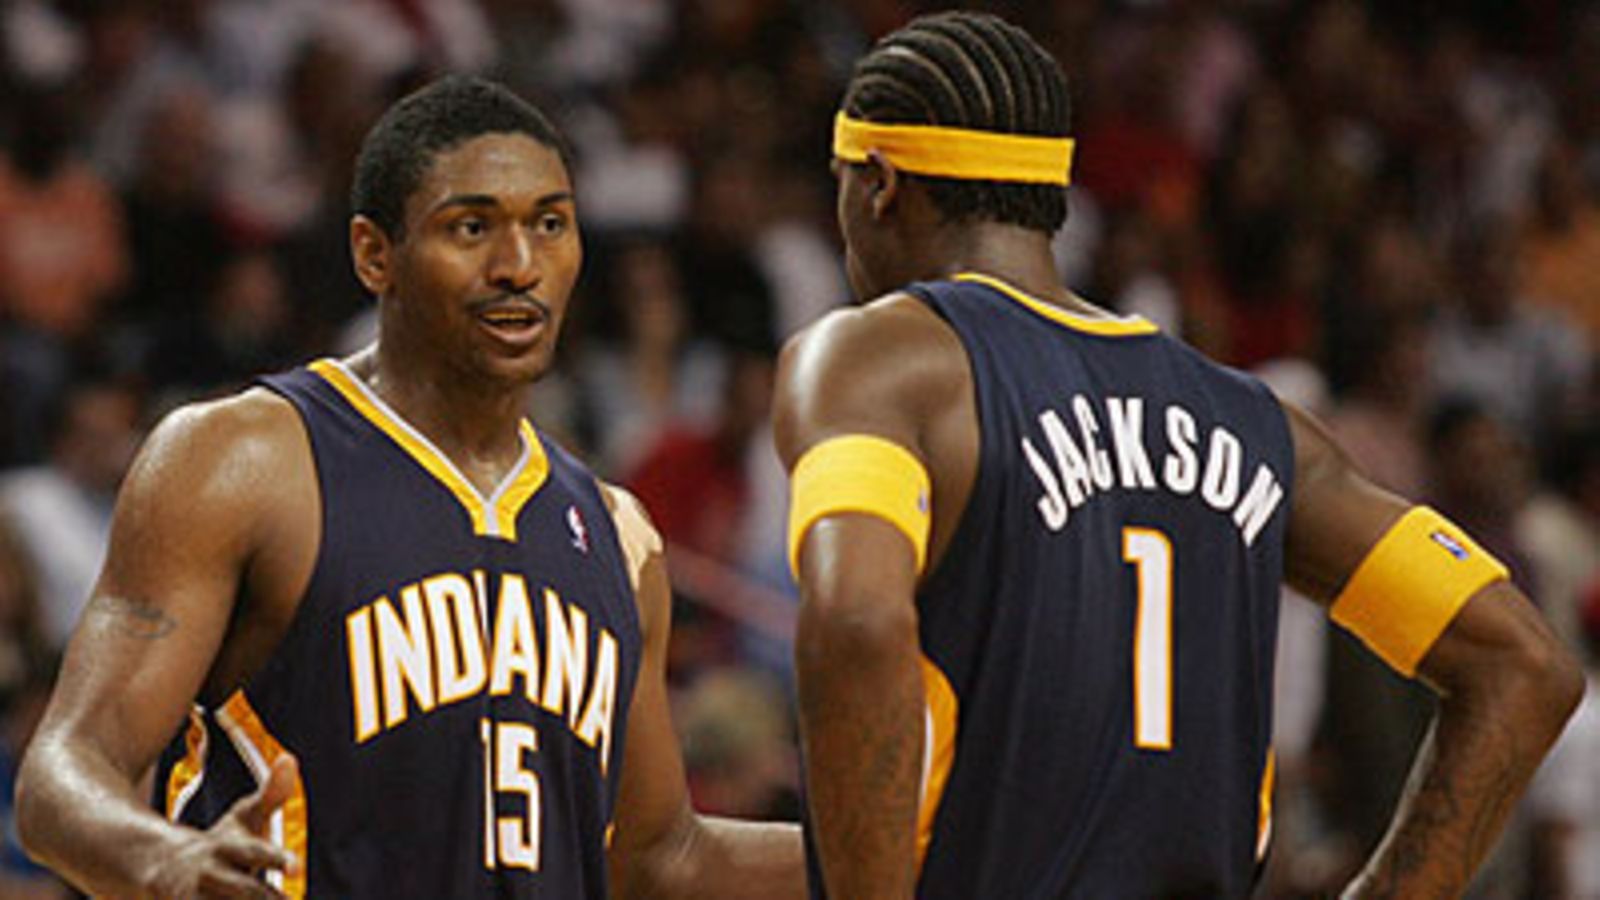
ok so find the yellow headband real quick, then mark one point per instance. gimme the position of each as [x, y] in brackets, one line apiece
[956, 152]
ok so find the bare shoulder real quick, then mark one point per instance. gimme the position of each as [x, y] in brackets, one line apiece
[882, 368]
[642, 553]
[238, 441]
[213, 468]
[635, 531]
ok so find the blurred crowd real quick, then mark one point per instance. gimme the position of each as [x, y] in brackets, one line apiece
[1391, 211]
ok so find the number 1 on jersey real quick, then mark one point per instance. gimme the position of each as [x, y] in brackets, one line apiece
[1150, 553]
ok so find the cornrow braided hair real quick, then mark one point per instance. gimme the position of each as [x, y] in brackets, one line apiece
[969, 70]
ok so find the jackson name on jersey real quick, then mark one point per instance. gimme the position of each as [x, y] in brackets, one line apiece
[1080, 466]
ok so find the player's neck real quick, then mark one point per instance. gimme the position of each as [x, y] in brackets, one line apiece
[1018, 256]
[473, 420]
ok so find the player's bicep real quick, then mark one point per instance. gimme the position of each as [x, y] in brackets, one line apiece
[1336, 517]
[847, 424]
[179, 539]
[1413, 586]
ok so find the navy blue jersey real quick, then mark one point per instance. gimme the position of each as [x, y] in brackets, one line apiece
[1099, 635]
[455, 683]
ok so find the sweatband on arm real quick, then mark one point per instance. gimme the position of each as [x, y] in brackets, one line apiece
[859, 473]
[1411, 585]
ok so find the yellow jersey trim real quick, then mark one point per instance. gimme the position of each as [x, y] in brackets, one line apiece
[938, 751]
[1411, 585]
[185, 778]
[1269, 777]
[860, 473]
[1129, 326]
[494, 516]
[945, 152]
[288, 826]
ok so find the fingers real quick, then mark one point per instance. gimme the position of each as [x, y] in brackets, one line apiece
[256, 855]
[254, 813]
[236, 885]
[256, 810]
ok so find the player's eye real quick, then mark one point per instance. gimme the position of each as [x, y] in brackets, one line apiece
[551, 224]
[469, 227]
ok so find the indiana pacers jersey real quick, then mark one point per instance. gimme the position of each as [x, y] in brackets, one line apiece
[455, 683]
[1099, 635]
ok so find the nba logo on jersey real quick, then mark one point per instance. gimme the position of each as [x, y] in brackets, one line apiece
[580, 532]
[1450, 544]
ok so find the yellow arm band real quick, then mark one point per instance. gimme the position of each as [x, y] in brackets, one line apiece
[859, 473]
[1411, 585]
[962, 153]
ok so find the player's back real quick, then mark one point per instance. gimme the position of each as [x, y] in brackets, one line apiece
[1099, 633]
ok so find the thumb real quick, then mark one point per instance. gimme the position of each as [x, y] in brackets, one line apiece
[256, 810]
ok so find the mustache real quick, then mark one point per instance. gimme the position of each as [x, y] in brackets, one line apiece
[518, 300]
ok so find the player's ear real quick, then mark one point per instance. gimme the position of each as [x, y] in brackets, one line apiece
[371, 252]
[882, 183]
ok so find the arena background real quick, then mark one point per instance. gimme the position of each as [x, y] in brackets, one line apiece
[1390, 210]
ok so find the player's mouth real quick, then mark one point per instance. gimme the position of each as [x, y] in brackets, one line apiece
[515, 323]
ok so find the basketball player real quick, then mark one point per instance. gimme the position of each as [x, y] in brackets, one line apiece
[1040, 546]
[427, 646]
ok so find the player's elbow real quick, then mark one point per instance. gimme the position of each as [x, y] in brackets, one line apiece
[1557, 677]
[1532, 676]
[853, 631]
[31, 806]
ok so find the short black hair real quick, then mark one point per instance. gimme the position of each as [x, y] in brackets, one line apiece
[400, 148]
[969, 70]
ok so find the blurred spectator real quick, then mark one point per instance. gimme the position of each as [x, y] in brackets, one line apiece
[1526, 365]
[26, 670]
[1566, 792]
[23, 647]
[693, 480]
[239, 329]
[63, 256]
[657, 374]
[174, 230]
[1560, 528]
[1379, 421]
[62, 251]
[1480, 479]
[739, 746]
[62, 508]
[1562, 242]
[730, 297]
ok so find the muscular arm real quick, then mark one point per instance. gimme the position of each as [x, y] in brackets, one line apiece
[1505, 686]
[661, 847]
[874, 371]
[184, 532]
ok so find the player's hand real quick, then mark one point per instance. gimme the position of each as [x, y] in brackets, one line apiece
[228, 859]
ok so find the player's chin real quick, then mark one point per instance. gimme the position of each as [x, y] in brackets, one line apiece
[517, 368]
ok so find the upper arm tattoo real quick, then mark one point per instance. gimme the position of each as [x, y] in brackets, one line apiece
[133, 617]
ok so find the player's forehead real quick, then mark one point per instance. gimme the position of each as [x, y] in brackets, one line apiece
[508, 169]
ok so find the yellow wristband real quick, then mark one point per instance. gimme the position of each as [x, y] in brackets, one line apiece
[862, 474]
[1411, 585]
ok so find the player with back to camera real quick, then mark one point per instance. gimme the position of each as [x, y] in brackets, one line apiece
[1040, 547]
[426, 645]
